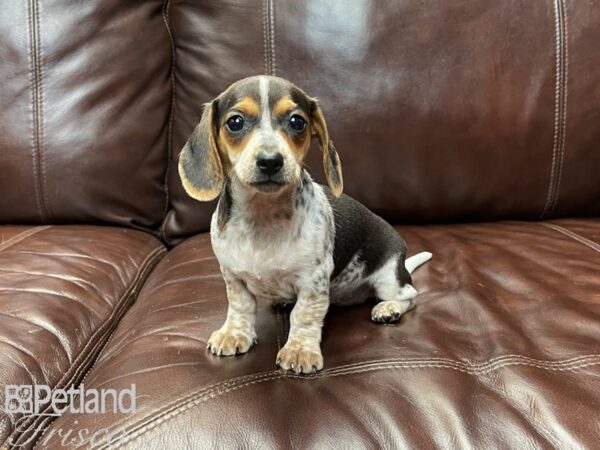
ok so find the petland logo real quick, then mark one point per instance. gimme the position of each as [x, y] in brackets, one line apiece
[42, 400]
[30, 401]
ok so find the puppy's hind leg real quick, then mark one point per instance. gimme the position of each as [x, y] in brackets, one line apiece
[392, 286]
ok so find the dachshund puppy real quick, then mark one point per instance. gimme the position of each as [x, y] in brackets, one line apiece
[278, 235]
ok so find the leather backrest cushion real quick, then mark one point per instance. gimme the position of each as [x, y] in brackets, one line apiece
[445, 111]
[84, 118]
[441, 111]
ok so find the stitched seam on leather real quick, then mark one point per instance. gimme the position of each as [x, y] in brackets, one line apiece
[166, 19]
[269, 37]
[265, 36]
[585, 241]
[349, 370]
[556, 109]
[481, 367]
[112, 321]
[565, 81]
[95, 342]
[559, 108]
[485, 367]
[42, 156]
[272, 41]
[22, 236]
[120, 309]
[32, 51]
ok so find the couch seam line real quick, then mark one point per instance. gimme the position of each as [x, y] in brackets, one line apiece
[22, 236]
[119, 311]
[559, 97]
[557, 44]
[89, 349]
[265, 36]
[272, 34]
[33, 99]
[491, 363]
[471, 369]
[166, 19]
[41, 134]
[210, 395]
[575, 236]
[268, 12]
[565, 91]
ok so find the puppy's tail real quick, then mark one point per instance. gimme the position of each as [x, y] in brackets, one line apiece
[416, 260]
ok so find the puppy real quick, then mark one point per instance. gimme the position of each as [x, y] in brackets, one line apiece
[278, 235]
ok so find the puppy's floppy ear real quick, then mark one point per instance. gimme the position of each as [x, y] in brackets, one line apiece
[200, 165]
[331, 160]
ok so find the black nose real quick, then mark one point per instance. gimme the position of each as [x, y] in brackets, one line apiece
[269, 163]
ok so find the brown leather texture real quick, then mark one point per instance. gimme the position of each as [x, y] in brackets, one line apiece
[85, 107]
[502, 351]
[62, 292]
[455, 111]
[441, 112]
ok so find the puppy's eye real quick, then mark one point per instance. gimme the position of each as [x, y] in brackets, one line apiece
[297, 123]
[235, 123]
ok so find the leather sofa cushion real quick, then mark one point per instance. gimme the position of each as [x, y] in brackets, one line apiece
[62, 291]
[84, 122]
[441, 112]
[502, 351]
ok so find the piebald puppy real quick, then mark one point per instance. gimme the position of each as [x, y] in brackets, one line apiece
[278, 235]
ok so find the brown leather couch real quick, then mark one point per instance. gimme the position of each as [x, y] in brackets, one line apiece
[473, 126]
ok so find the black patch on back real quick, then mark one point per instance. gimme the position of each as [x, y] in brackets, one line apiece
[357, 229]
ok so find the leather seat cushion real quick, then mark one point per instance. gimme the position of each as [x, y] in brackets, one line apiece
[505, 332]
[63, 289]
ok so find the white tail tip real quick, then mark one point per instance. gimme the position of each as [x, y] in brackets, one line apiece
[416, 260]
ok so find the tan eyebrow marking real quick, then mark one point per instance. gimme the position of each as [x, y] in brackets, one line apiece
[248, 106]
[284, 105]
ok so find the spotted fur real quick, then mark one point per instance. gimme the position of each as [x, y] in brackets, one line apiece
[295, 242]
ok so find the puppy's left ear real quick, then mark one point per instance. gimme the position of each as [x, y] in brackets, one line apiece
[331, 160]
[200, 167]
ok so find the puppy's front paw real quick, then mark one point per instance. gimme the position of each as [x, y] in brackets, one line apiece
[300, 358]
[227, 342]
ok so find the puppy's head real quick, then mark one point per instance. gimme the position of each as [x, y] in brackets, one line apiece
[258, 130]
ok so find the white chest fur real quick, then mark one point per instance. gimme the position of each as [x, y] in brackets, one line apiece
[279, 253]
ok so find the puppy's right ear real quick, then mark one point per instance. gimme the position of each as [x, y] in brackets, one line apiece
[200, 167]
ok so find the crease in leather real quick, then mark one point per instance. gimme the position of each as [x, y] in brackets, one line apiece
[560, 108]
[191, 261]
[79, 282]
[77, 255]
[22, 236]
[42, 327]
[221, 388]
[538, 425]
[575, 236]
[166, 19]
[96, 342]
